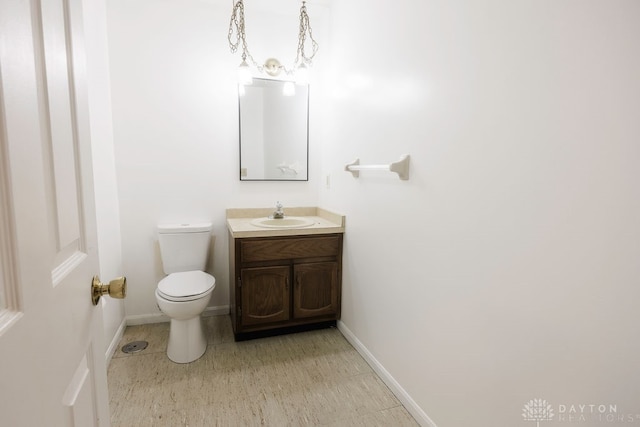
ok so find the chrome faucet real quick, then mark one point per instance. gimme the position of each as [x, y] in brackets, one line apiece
[279, 213]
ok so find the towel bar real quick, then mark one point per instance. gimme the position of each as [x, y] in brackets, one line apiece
[401, 167]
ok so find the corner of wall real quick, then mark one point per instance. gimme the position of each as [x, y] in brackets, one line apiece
[416, 411]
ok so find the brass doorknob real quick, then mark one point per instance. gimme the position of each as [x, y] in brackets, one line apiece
[117, 288]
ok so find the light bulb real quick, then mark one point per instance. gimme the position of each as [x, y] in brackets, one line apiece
[289, 89]
[302, 75]
[244, 74]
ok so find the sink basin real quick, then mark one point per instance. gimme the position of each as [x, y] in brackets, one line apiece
[286, 222]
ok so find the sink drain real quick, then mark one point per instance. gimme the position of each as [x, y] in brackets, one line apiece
[134, 347]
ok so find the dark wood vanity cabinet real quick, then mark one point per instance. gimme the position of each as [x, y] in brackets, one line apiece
[284, 282]
[315, 290]
[264, 295]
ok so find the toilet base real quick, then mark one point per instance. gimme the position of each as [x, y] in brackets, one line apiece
[187, 341]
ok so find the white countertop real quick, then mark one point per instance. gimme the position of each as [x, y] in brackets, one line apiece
[324, 222]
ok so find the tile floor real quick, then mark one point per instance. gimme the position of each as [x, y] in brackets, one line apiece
[309, 378]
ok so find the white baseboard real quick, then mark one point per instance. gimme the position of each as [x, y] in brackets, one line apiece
[113, 346]
[143, 319]
[420, 416]
[216, 311]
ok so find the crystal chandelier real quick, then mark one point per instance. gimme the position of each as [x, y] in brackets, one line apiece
[298, 70]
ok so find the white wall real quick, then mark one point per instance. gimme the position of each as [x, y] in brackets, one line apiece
[506, 268]
[176, 128]
[106, 195]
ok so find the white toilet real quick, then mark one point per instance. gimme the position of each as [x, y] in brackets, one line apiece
[185, 292]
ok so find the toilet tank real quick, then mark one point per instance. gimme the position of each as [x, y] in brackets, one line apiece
[184, 247]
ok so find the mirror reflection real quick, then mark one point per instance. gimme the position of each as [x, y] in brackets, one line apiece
[274, 131]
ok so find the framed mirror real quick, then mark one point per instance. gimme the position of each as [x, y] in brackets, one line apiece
[274, 131]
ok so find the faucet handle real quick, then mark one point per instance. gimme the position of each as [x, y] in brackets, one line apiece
[278, 205]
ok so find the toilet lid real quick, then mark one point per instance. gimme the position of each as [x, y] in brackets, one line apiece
[186, 284]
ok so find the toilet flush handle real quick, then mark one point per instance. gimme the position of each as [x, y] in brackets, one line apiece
[117, 288]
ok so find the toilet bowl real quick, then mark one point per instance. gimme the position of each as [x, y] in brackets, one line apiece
[183, 297]
[186, 290]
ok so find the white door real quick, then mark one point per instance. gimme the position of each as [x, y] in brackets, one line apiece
[52, 367]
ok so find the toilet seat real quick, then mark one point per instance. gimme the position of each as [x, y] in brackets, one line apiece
[186, 286]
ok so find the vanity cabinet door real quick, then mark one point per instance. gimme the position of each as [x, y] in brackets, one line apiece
[315, 292]
[265, 295]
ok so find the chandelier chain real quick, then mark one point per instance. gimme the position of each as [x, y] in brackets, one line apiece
[305, 27]
[237, 37]
[236, 25]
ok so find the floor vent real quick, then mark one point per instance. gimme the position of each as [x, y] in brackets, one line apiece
[134, 347]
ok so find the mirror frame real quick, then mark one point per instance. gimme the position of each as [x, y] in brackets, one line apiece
[306, 119]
